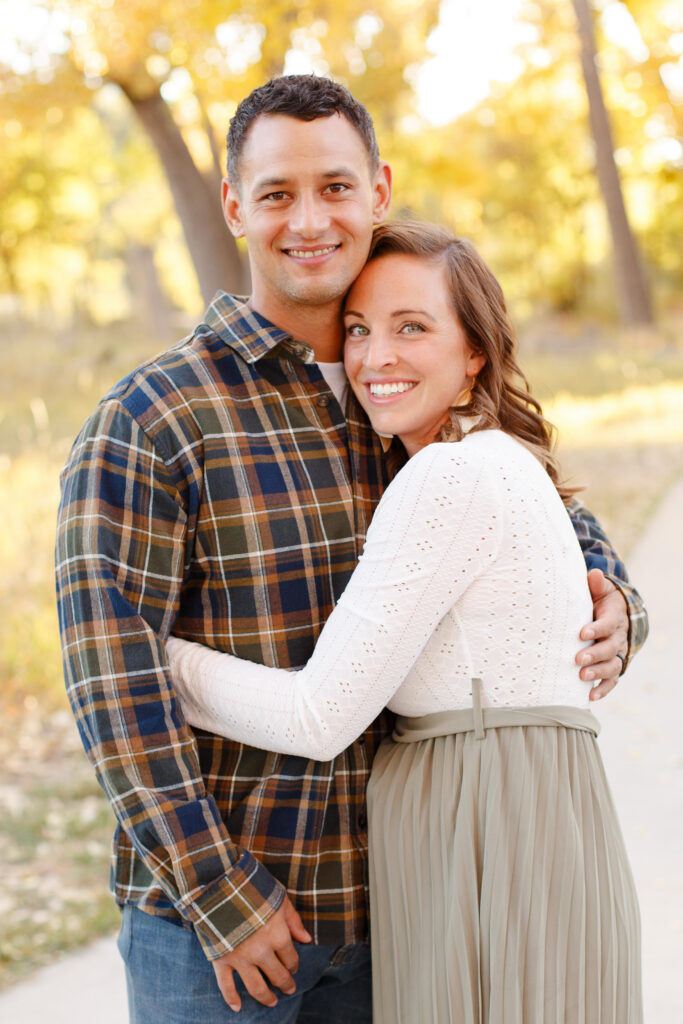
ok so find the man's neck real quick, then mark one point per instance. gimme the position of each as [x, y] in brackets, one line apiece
[318, 326]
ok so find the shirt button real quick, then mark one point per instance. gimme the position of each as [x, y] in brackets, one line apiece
[324, 401]
[363, 820]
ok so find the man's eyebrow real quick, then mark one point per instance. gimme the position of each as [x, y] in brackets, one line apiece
[269, 183]
[340, 172]
[335, 172]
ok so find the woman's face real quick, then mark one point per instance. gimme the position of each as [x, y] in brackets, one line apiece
[405, 352]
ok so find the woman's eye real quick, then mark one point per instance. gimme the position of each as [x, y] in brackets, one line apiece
[356, 331]
[412, 328]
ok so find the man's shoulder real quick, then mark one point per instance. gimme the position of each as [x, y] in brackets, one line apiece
[172, 375]
[205, 368]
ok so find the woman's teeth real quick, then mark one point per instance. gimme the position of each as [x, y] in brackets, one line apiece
[384, 390]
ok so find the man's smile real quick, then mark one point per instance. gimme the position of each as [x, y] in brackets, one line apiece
[309, 254]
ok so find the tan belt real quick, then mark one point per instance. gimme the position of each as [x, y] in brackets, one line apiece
[477, 720]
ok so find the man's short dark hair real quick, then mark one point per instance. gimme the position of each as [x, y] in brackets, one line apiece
[305, 97]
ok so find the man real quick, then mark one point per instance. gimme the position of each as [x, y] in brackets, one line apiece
[221, 492]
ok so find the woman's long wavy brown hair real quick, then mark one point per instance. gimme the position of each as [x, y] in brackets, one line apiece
[501, 396]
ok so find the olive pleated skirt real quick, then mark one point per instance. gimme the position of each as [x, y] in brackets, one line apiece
[500, 888]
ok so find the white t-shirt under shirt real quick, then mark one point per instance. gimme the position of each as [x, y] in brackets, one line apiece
[336, 380]
[471, 567]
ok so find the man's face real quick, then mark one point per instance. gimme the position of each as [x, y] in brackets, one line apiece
[306, 202]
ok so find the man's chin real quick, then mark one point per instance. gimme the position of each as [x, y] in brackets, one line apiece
[319, 293]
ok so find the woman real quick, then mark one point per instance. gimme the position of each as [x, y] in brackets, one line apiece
[500, 887]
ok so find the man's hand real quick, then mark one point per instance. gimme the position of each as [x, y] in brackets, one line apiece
[267, 954]
[609, 630]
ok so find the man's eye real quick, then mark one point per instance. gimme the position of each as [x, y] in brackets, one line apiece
[337, 188]
[276, 196]
[356, 331]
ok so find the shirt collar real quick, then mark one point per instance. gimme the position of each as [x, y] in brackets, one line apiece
[248, 333]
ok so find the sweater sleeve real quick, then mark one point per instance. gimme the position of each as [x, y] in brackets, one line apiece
[436, 529]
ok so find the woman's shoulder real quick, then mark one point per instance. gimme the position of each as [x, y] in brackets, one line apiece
[444, 466]
[500, 451]
[482, 460]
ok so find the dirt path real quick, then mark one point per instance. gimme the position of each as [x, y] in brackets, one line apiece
[641, 744]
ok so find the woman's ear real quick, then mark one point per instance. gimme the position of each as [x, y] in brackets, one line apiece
[475, 364]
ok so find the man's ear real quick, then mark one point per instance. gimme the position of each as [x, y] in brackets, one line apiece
[232, 210]
[382, 192]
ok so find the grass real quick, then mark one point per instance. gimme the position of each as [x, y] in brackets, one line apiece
[55, 834]
[617, 401]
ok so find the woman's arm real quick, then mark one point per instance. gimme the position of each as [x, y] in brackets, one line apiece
[435, 530]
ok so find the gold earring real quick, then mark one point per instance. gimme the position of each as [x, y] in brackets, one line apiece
[465, 396]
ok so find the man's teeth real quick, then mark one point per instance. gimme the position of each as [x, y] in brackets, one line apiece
[384, 390]
[308, 254]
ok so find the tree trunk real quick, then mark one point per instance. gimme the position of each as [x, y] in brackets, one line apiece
[632, 290]
[151, 307]
[212, 248]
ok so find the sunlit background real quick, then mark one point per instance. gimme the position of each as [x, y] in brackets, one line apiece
[114, 112]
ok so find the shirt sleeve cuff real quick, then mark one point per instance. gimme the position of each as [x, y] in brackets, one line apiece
[234, 907]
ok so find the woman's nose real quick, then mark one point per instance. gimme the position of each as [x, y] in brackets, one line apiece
[380, 352]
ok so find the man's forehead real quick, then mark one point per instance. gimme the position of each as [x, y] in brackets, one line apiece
[324, 146]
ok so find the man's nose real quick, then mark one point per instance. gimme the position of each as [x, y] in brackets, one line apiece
[309, 216]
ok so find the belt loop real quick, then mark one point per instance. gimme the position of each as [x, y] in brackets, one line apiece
[477, 715]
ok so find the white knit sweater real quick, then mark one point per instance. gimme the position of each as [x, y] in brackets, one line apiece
[471, 568]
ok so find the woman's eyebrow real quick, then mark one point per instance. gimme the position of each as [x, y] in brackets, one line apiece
[414, 312]
[352, 312]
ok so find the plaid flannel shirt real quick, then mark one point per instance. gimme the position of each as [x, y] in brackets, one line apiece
[219, 492]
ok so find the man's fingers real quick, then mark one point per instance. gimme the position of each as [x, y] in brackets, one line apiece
[255, 984]
[288, 957]
[277, 974]
[607, 669]
[605, 650]
[295, 925]
[605, 626]
[226, 983]
[598, 584]
[267, 954]
[603, 688]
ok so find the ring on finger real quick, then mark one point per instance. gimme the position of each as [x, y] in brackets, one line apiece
[622, 659]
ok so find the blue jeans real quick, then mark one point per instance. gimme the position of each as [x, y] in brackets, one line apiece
[170, 981]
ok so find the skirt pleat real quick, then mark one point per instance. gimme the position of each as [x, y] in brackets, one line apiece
[500, 887]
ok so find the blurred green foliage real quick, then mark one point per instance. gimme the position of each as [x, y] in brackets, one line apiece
[82, 191]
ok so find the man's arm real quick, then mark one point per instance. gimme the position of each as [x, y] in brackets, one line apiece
[620, 624]
[120, 561]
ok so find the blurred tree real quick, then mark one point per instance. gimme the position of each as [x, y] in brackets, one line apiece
[84, 206]
[632, 288]
[183, 64]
